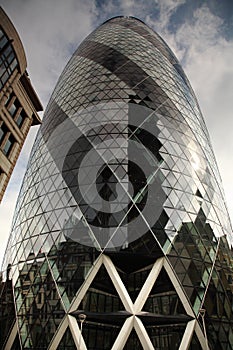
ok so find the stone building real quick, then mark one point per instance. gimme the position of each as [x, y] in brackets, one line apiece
[19, 103]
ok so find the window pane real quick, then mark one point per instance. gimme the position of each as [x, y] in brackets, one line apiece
[8, 145]
[3, 131]
[3, 41]
[12, 109]
[19, 120]
[7, 58]
[13, 64]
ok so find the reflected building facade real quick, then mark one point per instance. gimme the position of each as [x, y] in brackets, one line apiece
[121, 216]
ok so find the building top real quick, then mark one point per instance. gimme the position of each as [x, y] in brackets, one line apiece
[13, 36]
[19, 103]
[14, 40]
[124, 17]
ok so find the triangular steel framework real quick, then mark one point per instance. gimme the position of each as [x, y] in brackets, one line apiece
[134, 309]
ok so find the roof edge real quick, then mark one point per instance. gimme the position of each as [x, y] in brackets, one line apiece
[126, 17]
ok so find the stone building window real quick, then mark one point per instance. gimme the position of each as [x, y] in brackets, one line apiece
[8, 61]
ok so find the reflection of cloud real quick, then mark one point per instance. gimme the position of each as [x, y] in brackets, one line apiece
[208, 65]
[52, 29]
[206, 57]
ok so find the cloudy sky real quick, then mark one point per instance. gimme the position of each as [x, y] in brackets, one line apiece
[199, 32]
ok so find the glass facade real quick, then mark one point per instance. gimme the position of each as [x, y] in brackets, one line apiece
[121, 216]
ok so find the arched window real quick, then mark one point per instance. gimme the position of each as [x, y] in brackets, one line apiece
[8, 61]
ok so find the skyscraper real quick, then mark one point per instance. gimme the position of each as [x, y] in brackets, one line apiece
[19, 103]
[121, 237]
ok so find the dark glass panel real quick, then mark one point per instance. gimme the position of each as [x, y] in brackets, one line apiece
[70, 262]
[102, 296]
[166, 338]
[133, 342]
[163, 299]
[67, 342]
[195, 344]
[3, 131]
[7, 308]
[6, 60]
[8, 145]
[99, 336]
[39, 307]
[16, 345]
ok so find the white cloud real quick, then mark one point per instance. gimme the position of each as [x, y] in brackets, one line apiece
[136, 8]
[133, 7]
[166, 9]
[50, 31]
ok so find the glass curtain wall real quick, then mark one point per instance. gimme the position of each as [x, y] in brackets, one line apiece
[121, 216]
